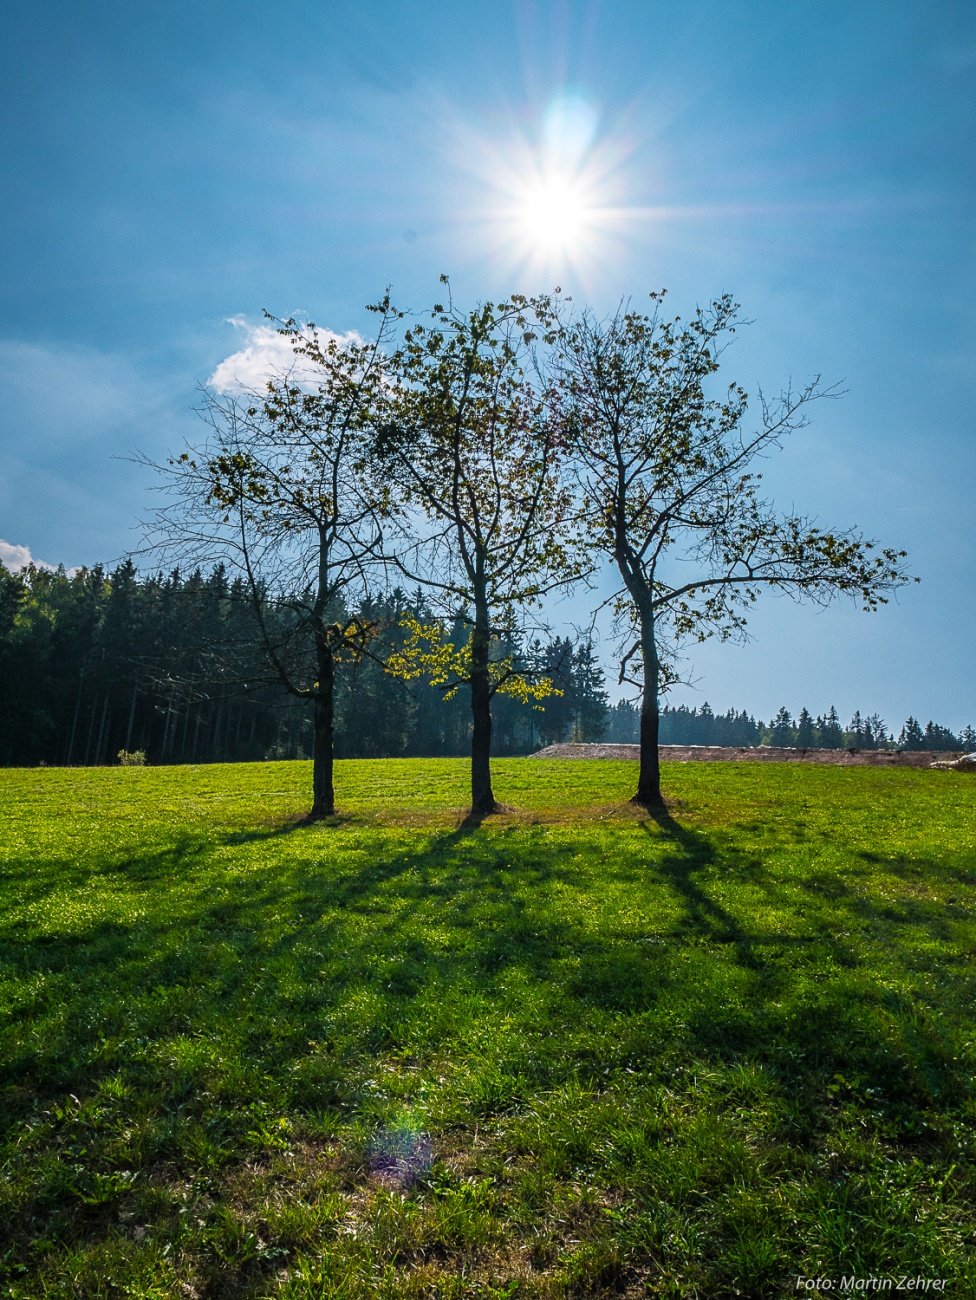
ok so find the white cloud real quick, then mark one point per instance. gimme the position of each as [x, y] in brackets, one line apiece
[266, 355]
[16, 558]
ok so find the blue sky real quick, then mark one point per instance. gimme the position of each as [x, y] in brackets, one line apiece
[170, 168]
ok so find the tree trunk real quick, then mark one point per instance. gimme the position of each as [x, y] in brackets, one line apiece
[216, 731]
[186, 724]
[132, 718]
[74, 724]
[649, 779]
[104, 732]
[323, 792]
[169, 726]
[91, 731]
[482, 797]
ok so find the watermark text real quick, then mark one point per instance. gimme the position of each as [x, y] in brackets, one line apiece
[850, 1284]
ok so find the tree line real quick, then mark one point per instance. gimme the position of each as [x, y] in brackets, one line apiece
[173, 666]
[682, 725]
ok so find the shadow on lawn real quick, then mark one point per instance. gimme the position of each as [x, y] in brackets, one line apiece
[281, 985]
[705, 918]
[696, 852]
[462, 908]
[827, 889]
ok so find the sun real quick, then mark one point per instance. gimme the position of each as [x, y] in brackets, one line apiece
[553, 193]
[559, 189]
[553, 215]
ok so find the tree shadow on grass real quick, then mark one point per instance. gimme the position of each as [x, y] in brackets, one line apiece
[696, 852]
[850, 1014]
[703, 915]
[282, 983]
[460, 908]
[840, 901]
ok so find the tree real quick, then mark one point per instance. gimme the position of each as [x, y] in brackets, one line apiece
[474, 448]
[556, 713]
[939, 737]
[912, 736]
[875, 732]
[855, 731]
[668, 493]
[375, 713]
[781, 730]
[623, 724]
[580, 711]
[590, 704]
[804, 730]
[284, 494]
[830, 732]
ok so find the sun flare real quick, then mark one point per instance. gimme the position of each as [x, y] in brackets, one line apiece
[556, 192]
[553, 215]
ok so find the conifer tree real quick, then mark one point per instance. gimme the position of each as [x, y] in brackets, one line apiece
[855, 731]
[938, 737]
[589, 695]
[912, 736]
[831, 735]
[781, 731]
[805, 736]
[623, 724]
[875, 732]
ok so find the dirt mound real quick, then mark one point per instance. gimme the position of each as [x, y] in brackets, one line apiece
[759, 754]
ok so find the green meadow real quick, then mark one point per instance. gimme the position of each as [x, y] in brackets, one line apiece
[570, 1052]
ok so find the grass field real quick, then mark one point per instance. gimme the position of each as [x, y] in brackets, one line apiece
[571, 1052]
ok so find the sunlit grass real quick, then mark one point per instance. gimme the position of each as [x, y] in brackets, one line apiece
[570, 1052]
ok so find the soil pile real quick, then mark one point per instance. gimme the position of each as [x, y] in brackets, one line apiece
[759, 754]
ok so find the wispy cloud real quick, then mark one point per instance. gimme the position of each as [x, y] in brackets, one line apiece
[266, 355]
[72, 415]
[67, 395]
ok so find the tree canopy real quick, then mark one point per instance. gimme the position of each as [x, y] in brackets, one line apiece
[668, 490]
[474, 448]
[284, 492]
